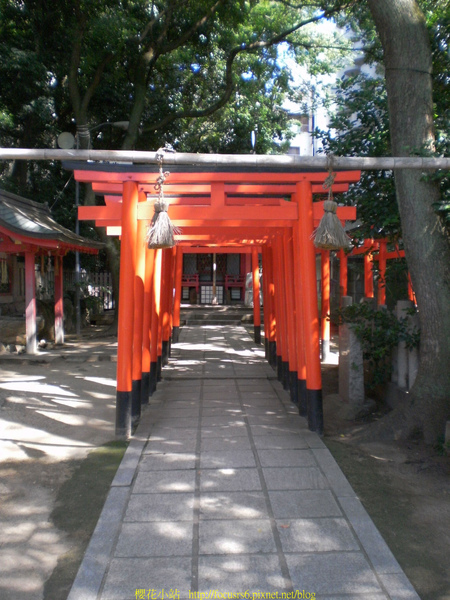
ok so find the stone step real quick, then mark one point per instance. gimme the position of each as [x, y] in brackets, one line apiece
[216, 315]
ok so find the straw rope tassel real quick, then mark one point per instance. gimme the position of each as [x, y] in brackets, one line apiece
[330, 235]
[161, 230]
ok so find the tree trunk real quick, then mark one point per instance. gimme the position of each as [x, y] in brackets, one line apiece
[407, 59]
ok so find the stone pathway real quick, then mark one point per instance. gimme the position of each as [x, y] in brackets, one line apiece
[223, 490]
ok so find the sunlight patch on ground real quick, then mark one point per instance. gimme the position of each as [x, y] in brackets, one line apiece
[71, 419]
[200, 347]
[100, 396]
[14, 378]
[184, 363]
[15, 439]
[34, 387]
[100, 380]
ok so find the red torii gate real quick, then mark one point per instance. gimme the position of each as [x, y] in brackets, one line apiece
[373, 250]
[271, 211]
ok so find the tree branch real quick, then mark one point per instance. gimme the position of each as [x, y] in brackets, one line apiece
[95, 81]
[150, 24]
[190, 32]
[229, 84]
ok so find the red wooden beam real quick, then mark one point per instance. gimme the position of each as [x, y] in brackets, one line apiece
[193, 189]
[205, 177]
[286, 210]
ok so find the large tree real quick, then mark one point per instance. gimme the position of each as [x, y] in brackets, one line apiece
[397, 35]
[408, 66]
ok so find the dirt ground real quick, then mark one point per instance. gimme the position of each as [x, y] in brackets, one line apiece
[404, 486]
[57, 460]
[57, 464]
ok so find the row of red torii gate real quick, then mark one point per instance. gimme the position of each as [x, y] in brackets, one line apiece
[270, 213]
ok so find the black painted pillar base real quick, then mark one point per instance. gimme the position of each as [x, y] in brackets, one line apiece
[266, 349]
[285, 374]
[302, 399]
[293, 386]
[123, 415]
[257, 331]
[165, 353]
[145, 388]
[153, 378]
[279, 368]
[273, 354]
[135, 403]
[315, 411]
[175, 334]
[159, 369]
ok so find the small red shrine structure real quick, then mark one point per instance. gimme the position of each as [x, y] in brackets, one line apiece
[27, 229]
[269, 212]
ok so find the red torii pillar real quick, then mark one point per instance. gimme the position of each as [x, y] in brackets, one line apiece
[256, 301]
[325, 308]
[382, 251]
[160, 316]
[178, 290]
[368, 270]
[147, 324]
[172, 297]
[284, 315]
[166, 304]
[300, 323]
[307, 255]
[138, 318]
[126, 309]
[291, 315]
[59, 303]
[156, 307]
[266, 299]
[411, 294]
[30, 302]
[280, 311]
[271, 315]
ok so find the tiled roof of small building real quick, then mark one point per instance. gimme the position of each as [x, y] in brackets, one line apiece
[24, 217]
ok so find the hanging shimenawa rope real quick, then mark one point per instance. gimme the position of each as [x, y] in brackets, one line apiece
[161, 231]
[330, 235]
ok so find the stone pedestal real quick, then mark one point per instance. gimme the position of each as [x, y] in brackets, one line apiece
[351, 369]
[406, 361]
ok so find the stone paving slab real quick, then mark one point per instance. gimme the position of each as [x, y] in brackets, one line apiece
[332, 573]
[294, 478]
[223, 487]
[233, 505]
[252, 572]
[230, 480]
[239, 537]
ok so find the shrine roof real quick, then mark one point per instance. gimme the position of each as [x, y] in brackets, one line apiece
[32, 221]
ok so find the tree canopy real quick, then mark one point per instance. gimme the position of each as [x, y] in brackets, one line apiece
[359, 120]
[201, 75]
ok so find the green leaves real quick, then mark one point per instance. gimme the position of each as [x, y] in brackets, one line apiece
[379, 332]
[359, 127]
